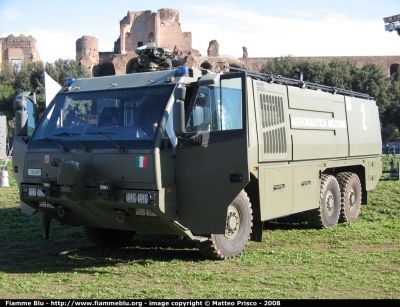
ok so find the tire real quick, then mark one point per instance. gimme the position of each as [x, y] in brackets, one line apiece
[351, 193]
[327, 215]
[239, 222]
[109, 237]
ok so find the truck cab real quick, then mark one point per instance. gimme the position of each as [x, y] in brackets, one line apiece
[186, 152]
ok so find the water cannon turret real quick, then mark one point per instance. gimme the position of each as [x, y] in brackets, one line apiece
[152, 58]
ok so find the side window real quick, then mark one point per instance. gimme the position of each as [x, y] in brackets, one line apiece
[231, 104]
[217, 108]
[31, 116]
[200, 118]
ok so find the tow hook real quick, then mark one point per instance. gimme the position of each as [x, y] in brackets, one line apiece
[60, 211]
[120, 216]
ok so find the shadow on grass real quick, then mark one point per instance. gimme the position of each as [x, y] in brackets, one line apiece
[389, 179]
[24, 250]
[60, 255]
[292, 222]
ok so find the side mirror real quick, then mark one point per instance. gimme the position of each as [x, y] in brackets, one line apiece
[25, 113]
[21, 123]
[179, 117]
[210, 79]
[19, 103]
[180, 93]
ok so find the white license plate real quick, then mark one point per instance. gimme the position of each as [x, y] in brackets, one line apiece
[34, 172]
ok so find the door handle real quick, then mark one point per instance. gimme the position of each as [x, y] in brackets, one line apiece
[236, 178]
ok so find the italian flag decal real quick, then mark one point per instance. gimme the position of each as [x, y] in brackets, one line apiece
[141, 161]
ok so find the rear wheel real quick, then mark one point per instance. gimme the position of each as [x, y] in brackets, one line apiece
[350, 189]
[109, 237]
[327, 215]
[233, 242]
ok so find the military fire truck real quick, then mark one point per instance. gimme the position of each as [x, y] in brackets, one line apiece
[196, 154]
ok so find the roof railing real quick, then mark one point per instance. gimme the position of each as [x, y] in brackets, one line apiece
[299, 83]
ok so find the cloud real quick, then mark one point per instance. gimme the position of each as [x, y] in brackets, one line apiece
[332, 34]
[9, 15]
[54, 45]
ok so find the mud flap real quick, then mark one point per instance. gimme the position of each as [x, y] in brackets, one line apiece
[26, 209]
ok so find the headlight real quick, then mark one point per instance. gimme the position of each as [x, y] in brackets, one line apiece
[131, 198]
[32, 192]
[140, 198]
[39, 193]
[143, 198]
[35, 192]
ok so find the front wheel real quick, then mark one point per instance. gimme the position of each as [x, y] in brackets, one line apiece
[233, 242]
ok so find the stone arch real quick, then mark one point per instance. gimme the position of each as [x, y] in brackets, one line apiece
[129, 65]
[206, 65]
[150, 37]
[394, 71]
[104, 69]
[235, 65]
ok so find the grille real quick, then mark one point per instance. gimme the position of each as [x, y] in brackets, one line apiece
[273, 124]
[275, 141]
[143, 212]
[271, 110]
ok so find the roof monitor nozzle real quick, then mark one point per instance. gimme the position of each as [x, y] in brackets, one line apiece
[152, 58]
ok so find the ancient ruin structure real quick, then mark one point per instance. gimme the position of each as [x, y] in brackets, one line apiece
[245, 54]
[136, 29]
[87, 51]
[162, 27]
[213, 48]
[389, 64]
[18, 49]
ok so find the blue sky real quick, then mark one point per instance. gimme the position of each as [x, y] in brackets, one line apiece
[268, 28]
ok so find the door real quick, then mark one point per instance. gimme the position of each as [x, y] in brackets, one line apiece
[211, 172]
[26, 119]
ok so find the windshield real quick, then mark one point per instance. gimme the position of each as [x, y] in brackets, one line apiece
[120, 118]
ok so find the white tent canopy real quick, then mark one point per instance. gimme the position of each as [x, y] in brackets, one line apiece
[51, 88]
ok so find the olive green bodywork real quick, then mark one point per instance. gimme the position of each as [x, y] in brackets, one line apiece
[285, 138]
[314, 132]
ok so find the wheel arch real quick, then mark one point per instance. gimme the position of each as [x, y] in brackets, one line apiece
[253, 192]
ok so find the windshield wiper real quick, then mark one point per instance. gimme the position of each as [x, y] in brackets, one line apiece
[200, 138]
[107, 135]
[71, 135]
[54, 141]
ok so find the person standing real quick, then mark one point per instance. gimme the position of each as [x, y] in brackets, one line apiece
[393, 150]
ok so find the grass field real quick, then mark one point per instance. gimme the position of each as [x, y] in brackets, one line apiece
[359, 260]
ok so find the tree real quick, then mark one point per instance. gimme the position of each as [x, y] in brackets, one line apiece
[7, 94]
[30, 78]
[61, 70]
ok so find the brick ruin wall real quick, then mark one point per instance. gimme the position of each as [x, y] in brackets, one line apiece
[385, 62]
[18, 48]
[162, 27]
[87, 51]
